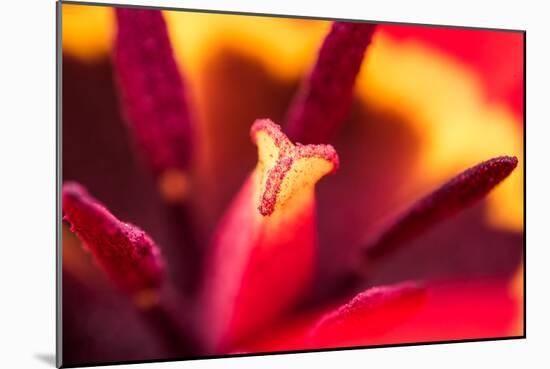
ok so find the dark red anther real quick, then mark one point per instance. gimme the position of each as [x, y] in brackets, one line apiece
[460, 192]
[125, 252]
[325, 97]
[152, 90]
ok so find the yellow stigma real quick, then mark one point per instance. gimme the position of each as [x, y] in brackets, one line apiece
[286, 171]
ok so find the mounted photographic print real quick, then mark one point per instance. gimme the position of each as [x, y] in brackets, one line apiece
[238, 184]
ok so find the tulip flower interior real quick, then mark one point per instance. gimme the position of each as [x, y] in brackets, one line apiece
[236, 184]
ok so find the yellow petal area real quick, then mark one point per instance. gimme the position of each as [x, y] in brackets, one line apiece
[287, 46]
[87, 31]
[443, 99]
[445, 103]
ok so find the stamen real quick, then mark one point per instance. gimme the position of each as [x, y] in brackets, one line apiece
[457, 194]
[154, 97]
[325, 97]
[125, 252]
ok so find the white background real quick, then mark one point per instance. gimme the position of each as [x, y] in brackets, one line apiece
[27, 182]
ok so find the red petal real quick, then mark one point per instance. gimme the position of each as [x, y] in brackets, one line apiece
[261, 258]
[443, 311]
[153, 96]
[367, 315]
[357, 322]
[325, 98]
[100, 325]
[125, 252]
[455, 195]
[463, 310]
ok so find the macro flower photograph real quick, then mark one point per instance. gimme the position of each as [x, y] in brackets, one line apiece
[236, 184]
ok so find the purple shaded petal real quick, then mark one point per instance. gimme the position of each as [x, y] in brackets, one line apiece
[449, 252]
[100, 325]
